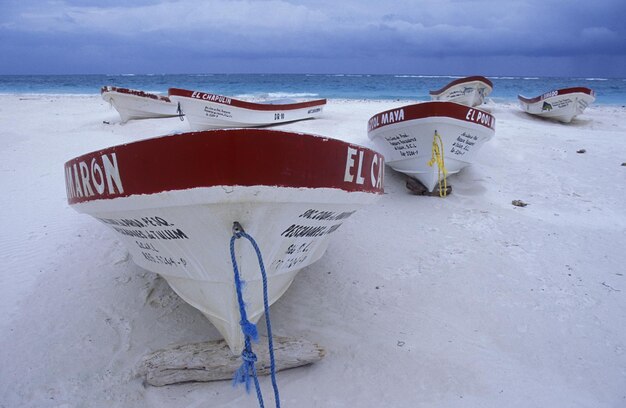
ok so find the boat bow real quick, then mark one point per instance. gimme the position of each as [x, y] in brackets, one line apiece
[173, 200]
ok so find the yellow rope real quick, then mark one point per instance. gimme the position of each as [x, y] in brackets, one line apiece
[437, 157]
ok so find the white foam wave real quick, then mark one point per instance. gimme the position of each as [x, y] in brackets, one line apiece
[427, 76]
[291, 95]
[278, 95]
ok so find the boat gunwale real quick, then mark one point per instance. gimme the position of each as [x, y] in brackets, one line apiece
[431, 109]
[233, 157]
[559, 92]
[216, 98]
[460, 81]
[133, 92]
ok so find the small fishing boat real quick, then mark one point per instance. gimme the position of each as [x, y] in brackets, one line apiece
[175, 202]
[561, 105]
[470, 91]
[431, 140]
[133, 104]
[210, 111]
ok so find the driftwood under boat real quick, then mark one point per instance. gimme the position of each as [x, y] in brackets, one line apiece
[417, 188]
[213, 360]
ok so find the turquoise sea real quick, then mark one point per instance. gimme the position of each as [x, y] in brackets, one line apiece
[609, 91]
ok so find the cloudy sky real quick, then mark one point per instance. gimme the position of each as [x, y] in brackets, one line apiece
[488, 37]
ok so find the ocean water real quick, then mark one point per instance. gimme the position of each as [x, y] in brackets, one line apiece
[609, 91]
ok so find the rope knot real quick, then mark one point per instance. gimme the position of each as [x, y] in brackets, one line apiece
[248, 356]
[247, 369]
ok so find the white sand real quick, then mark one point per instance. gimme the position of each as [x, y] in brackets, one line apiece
[466, 301]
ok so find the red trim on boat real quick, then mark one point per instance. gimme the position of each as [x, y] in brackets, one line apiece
[134, 92]
[557, 92]
[238, 157]
[426, 110]
[460, 81]
[226, 100]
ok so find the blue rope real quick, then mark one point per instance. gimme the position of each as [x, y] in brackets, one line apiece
[247, 368]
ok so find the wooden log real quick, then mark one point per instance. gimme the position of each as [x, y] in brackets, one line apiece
[213, 360]
[418, 188]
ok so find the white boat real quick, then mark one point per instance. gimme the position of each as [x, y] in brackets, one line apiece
[431, 140]
[210, 111]
[561, 105]
[470, 91]
[173, 201]
[134, 104]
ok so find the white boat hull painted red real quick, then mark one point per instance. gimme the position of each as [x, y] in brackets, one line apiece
[562, 105]
[405, 137]
[133, 104]
[173, 201]
[210, 111]
[470, 91]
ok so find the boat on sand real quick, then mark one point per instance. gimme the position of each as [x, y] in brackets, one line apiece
[174, 201]
[470, 91]
[134, 104]
[562, 105]
[431, 140]
[211, 111]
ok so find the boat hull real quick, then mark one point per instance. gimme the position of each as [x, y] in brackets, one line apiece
[132, 106]
[470, 91]
[206, 111]
[189, 245]
[406, 141]
[561, 105]
[182, 230]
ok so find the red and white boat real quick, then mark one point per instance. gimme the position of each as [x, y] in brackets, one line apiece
[407, 137]
[133, 104]
[561, 105]
[210, 111]
[173, 201]
[470, 91]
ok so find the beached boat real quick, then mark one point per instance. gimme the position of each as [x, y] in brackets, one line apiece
[211, 111]
[133, 104]
[173, 201]
[470, 91]
[561, 105]
[431, 140]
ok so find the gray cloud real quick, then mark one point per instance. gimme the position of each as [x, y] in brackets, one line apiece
[149, 34]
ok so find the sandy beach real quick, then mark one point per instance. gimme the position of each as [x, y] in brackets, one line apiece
[466, 301]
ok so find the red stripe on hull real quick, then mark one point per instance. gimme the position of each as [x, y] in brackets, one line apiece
[557, 92]
[226, 100]
[239, 157]
[431, 109]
